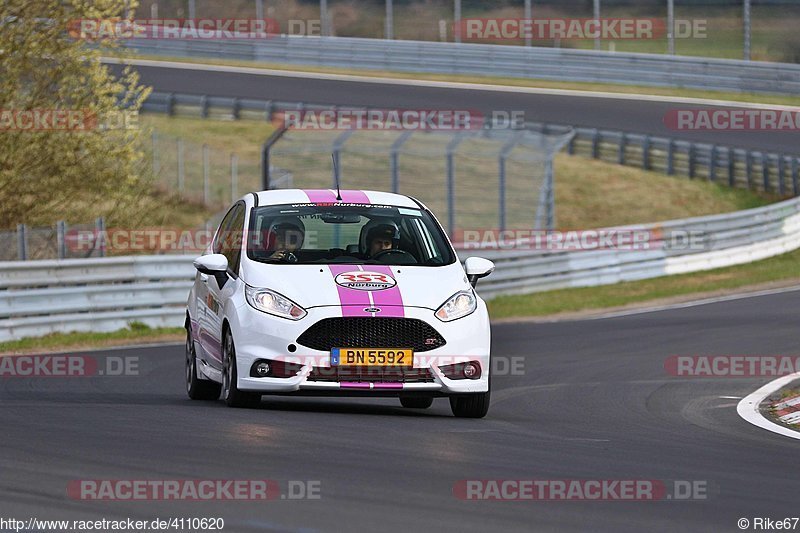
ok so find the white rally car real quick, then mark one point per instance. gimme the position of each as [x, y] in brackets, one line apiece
[355, 293]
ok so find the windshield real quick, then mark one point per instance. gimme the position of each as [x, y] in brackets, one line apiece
[347, 234]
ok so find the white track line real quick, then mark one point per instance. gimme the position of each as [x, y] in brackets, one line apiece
[748, 407]
[178, 65]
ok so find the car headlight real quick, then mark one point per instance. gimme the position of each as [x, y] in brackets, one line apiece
[459, 305]
[273, 303]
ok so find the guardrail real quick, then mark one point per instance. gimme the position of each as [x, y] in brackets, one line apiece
[494, 60]
[735, 167]
[40, 297]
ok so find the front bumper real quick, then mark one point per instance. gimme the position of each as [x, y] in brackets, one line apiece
[259, 336]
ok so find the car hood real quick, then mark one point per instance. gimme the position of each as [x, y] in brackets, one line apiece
[359, 286]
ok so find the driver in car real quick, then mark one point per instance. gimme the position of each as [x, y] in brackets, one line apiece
[381, 238]
[287, 237]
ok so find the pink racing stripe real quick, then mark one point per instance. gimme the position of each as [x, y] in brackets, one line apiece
[325, 196]
[387, 386]
[389, 300]
[353, 385]
[353, 301]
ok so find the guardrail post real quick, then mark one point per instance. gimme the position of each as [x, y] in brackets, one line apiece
[171, 104]
[691, 157]
[181, 166]
[237, 108]
[781, 174]
[765, 171]
[206, 175]
[670, 157]
[268, 109]
[621, 150]
[61, 236]
[646, 153]
[795, 190]
[22, 242]
[595, 144]
[100, 240]
[748, 166]
[204, 106]
[731, 167]
[234, 177]
[712, 163]
[571, 145]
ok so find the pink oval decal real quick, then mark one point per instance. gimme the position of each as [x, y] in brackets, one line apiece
[364, 280]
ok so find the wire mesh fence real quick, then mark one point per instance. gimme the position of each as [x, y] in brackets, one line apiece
[59, 241]
[488, 178]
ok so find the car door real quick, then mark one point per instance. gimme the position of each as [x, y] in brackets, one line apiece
[204, 299]
[221, 288]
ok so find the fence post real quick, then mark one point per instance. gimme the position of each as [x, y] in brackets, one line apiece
[206, 175]
[551, 200]
[621, 150]
[181, 167]
[691, 157]
[237, 108]
[156, 160]
[451, 183]
[265, 149]
[571, 145]
[457, 21]
[782, 174]
[646, 153]
[795, 190]
[394, 159]
[765, 170]
[595, 144]
[204, 106]
[234, 177]
[22, 242]
[61, 235]
[170, 104]
[100, 241]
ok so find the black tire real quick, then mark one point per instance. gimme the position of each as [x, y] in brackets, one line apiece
[230, 391]
[416, 402]
[470, 405]
[196, 388]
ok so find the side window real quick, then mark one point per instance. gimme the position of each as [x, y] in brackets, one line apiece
[232, 241]
[219, 237]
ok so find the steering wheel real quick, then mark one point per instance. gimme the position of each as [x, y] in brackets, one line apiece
[384, 253]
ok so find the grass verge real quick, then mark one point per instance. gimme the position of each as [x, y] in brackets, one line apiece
[134, 334]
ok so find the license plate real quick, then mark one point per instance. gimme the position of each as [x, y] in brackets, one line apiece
[372, 357]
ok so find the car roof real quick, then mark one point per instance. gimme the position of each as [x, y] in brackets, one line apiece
[303, 196]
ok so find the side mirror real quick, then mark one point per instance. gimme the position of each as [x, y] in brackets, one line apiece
[477, 268]
[211, 264]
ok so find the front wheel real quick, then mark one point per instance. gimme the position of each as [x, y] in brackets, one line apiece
[470, 405]
[230, 378]
[196, 388]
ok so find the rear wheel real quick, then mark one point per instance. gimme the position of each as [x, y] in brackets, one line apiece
[470, 405]
[196, 388]
[230, 377]
[413, 402]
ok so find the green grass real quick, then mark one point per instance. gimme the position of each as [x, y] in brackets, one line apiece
[780, 268]
[134, 334]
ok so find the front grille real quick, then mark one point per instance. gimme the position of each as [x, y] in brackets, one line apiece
[371, 332]
[373, 374]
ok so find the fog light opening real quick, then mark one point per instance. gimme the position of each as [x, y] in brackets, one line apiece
[471, 371]
[262, 369]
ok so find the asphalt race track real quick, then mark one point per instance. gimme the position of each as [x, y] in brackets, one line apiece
[593, 402]
[609, 113]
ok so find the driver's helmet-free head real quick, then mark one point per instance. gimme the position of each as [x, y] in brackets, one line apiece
[381, 235]
[285, 233]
